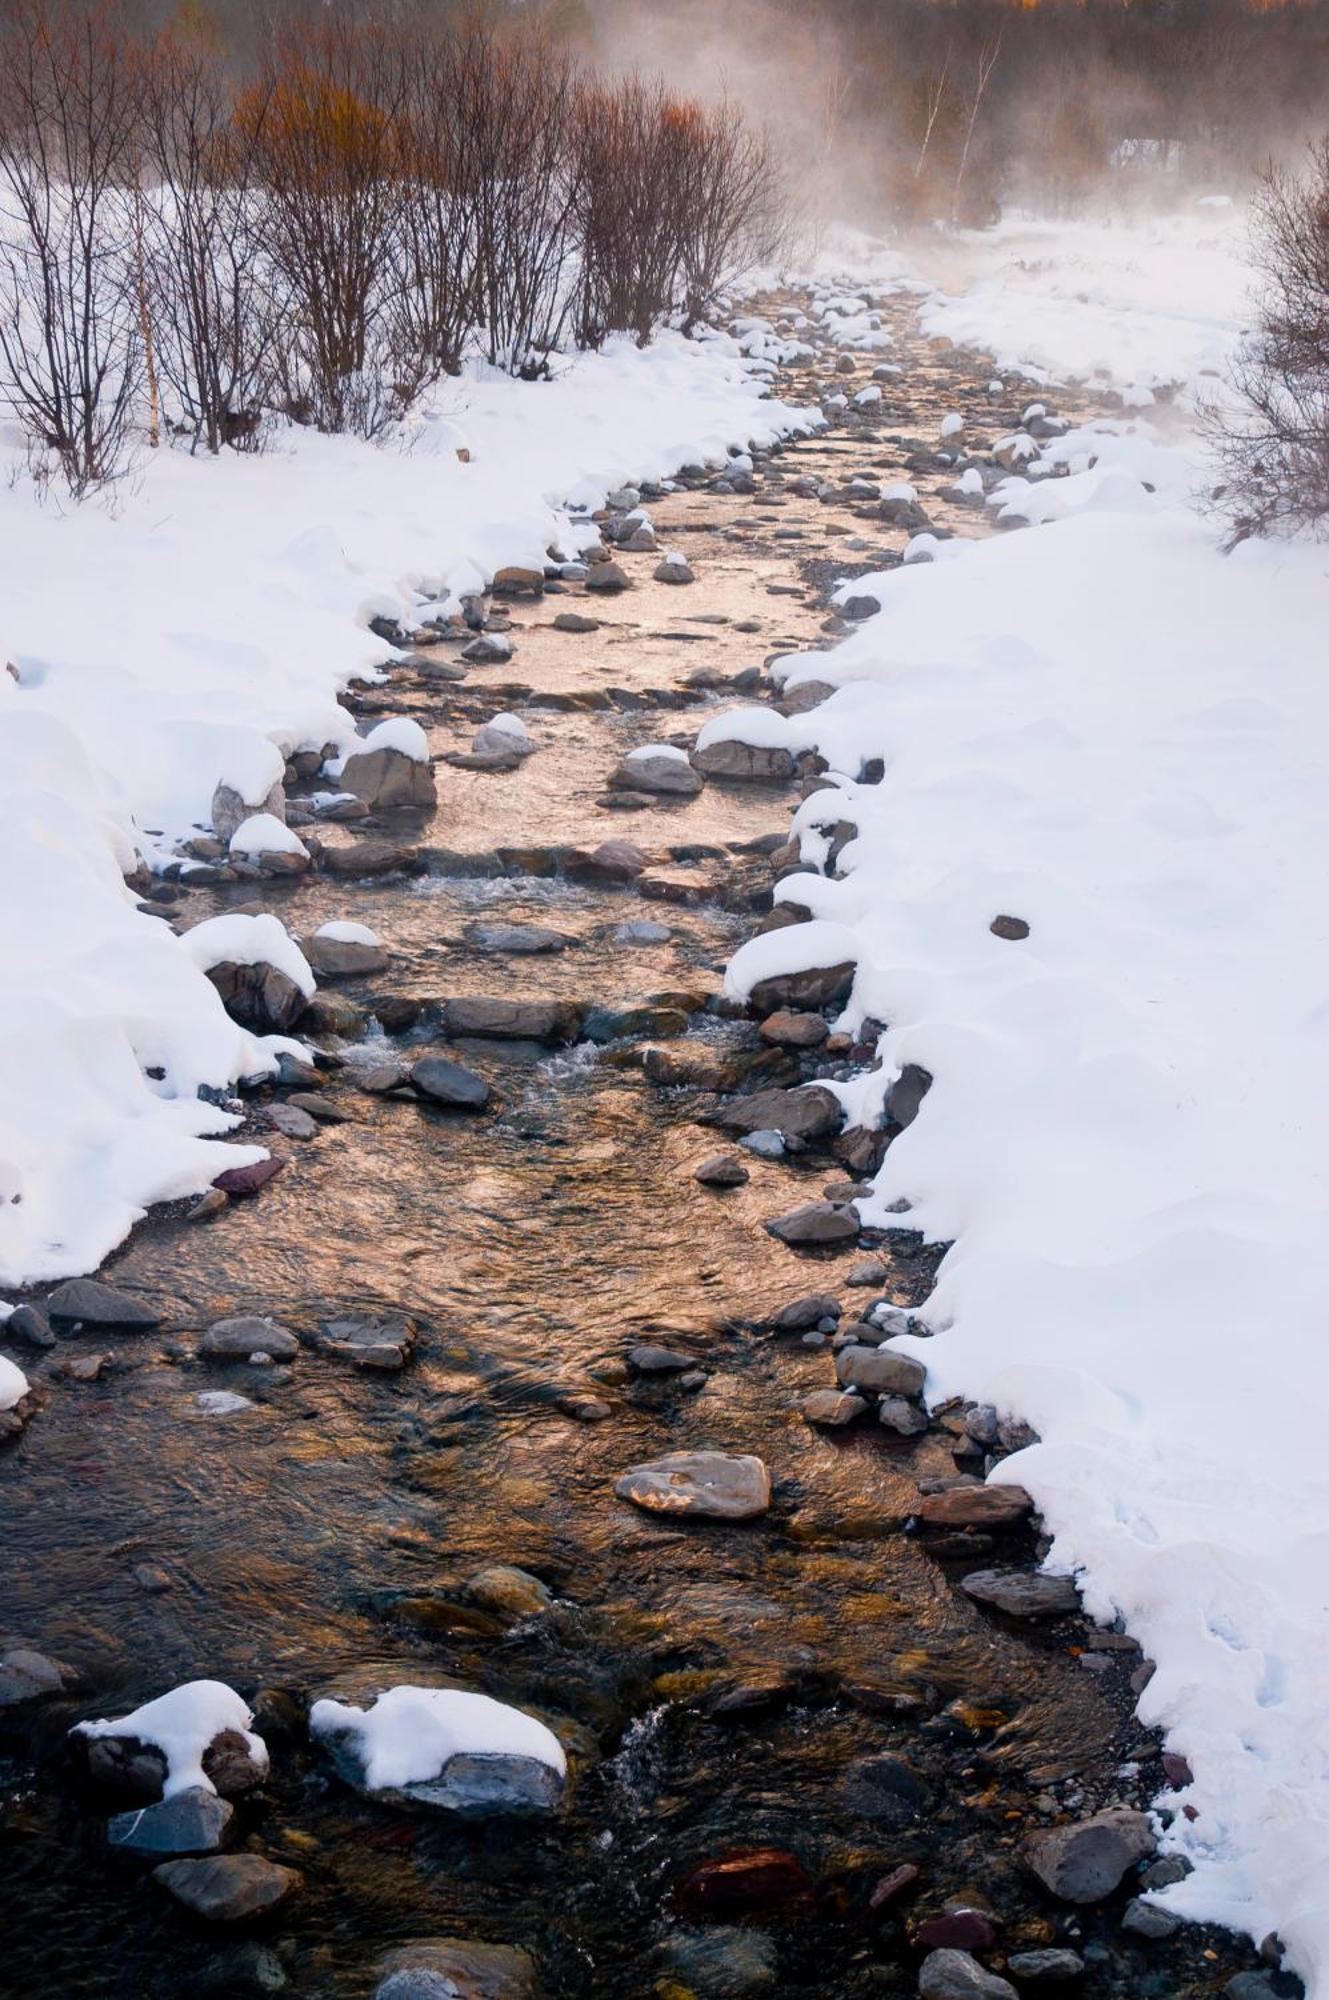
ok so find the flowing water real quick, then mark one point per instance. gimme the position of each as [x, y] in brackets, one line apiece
[717, 1687]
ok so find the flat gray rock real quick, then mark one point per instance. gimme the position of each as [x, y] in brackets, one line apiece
[193, 1822]
[814, 1224]
[1022, 1593]
[87, 1302]
[1085, 1862]
[807, 1112]
[520, 940]
[879, 1371]
[236, 1339]
[955, 1975]
[442, 1081]
[455, 1969]
[704, 1485]
[656, 772]
[228, 1887]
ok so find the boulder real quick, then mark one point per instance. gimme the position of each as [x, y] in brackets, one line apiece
[975, 1507]
[808, 1112]
[87, 1302]
[193, 1822]
[656, 769]
[954, 1975]
[334, 957]
[513, 1020]
[387, 778]
[814, 1224]
[744, 763]
[1085, 1862]
[259, 996]
[237, 1339]
[818, 986]
[703, 1485]
[230, 809]
[1022, 1593]
[455, 1969]
[228, 1888]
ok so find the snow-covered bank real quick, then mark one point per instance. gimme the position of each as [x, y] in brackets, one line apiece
[193, 629]
[1105, 728]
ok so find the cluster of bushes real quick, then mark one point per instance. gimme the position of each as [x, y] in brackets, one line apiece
[185, 247]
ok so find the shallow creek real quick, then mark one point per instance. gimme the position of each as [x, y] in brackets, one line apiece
[717, 1687]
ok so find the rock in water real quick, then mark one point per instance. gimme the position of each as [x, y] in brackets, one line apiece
[721, 1170]
[808, 1112]
[656, 768]
[880, 1371]
[455, 1969]
[193, 1822]
[705, 1485]
[1048, 1967]
[386, 778]
[814, 1224]
[975, 1507]
[817, 986]
[258, 996]
[832, 1408]
[443, 1082]
[229, 1887]
[608, 578]
[744, 763]
[1021, 1593]
[954, 1975]
[1084, 1863]
[446, 1747]
[27, 1676]
[87, 1302]
[236, 1339]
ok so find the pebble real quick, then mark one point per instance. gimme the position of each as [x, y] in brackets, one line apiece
[868, 1271]
[290, 1121]
[222, 1403]
[1051, 1967]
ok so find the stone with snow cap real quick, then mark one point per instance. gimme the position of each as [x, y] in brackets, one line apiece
[345, 950]
[263, 977]
[448, 1748]
[656, 767]
[270, 844]
[390, 767]
[504, 735]
[196, 1736]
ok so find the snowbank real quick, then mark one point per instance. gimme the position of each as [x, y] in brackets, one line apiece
[195, 628]
[1105, 728]
[182, 1724]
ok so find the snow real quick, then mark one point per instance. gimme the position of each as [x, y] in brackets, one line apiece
[13, 1384]
[410, 1733]
[182, 1724]
[798, 948]
[264, 833]
[239, 940]
[512, 729]
[344, 932]
[401, 733]
[764, 727]
[195, 627]
[653, 750]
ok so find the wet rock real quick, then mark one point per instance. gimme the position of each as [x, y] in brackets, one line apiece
[387, 778]
[892, 1886]
[88, 1302]
[334, 957]
[867, 1271]
[1011, 928]
[513, 1020]
[832, 1409]
[906, 1094]
[1084, 1863]
[813, 1225]
[240, 1338]
[788, 1029]
[721, 1170]
[906, 1419]
[674, 570]
[879, 1371]
[383, 1346]
[744, 763]
[193, 1822]
[29, 1676]
[575, 621]
[767, 1145]
[1252, 1986]
[518, 940]
[703, 1485]
[364, 858]
[722, 1962]
[613, 861]
[808, 1113]
[249, 1969]
[1148, 1922]
[441, 1081]
[954, 1975]
[656, 769]
[818, 986]
[228, 1888]
[744, 1882]
[801, 1314]
[258, 996]
[975, 1507]
[504, 737]
[455, 1969]
[508, 1592]
[646, 1360]
[959, 1929]
[488, 649]
[474, 1783]
[1051, 1967]
[290, 1121]
[607, 579]
[515, 581]
[1022, 1593]
[29, 1324]
[642, 930]
[240, 1182]
[885, 1789]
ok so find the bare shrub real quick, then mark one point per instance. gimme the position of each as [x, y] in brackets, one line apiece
[438, 251]
[1273, 443]
[213, 306]
[735, 207]
[70, 305]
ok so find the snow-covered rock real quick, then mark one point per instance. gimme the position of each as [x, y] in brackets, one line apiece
[197, 1736]
[445, 1747]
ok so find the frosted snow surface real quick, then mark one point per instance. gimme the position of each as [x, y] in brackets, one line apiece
[410, 1733]
[182, 1724]
[345, 932]
[264, 833]
[13, 1384]
[234, 939]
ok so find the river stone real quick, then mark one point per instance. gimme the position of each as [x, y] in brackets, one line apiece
[954, 1975]
[230, 810]
[706, 1485]
[673, 570]
[813, 1224]
[880, 1371]
[193, 1822]
[801, 1314]
[721, 1170]
[290, 1121]
[656, 772]
[750, 763]
[789, 1029]
[248, 1180]
[87, 1302]
[1022, 1593]
[368, 857]
[722, 1962]
[258, 996]
[975, 1507]
[383, 1346]
[906, 1094]
[29, 1324]
[508, 1592]
[646, 1360]
[608, 578]
[832, 1408]
[387, 778]
[515, 581]
[1147, 1921]
[343, 958]
[522, 940]
[885, 1789]
[27, 1676]
[575, 621]
[489, 649]
[819, 986]
[445, 1082]
[455, 1969]
[513, 1020]
[1049, 1967]
[613, 861]
[1085, 1862]
[228, 1887]
[744, 1881]
[236, 1339]
[469, 1784]
[807, 1112]
[906, 1419]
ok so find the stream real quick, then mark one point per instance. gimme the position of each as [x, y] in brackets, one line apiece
[718, 1687]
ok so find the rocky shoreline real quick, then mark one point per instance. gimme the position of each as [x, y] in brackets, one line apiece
[552, 1363]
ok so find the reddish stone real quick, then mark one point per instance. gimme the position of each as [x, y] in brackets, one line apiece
[958, 1930]
[893, 1885]
[748, 1880]
[248, 1180]
[1176, 1770]
[974, 1507]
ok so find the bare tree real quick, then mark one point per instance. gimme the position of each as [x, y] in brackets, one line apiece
[987, 61]
[1273, 441]
[69, 299]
